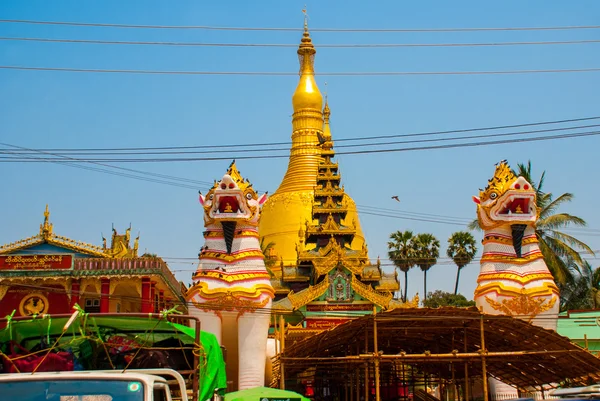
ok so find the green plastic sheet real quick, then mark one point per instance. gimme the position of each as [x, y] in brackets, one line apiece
[212, 367]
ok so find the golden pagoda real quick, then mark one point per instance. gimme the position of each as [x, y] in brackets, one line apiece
[287, 211]
[317, 253]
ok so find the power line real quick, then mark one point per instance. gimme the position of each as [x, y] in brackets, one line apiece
[276, 73]
[365, 151]
[71, 162]
[288, 143]
[289, 45]
[229, 149]
[225, 28]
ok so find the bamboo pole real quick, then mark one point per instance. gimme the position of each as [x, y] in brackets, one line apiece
[349, 387]
[376, 355]
[276, 335]
[282, 347]
[366, 366]
[466, 369]
[454, 392]
[483, 366]
[429, 357]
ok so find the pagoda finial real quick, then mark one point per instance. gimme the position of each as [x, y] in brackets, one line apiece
[305, 19]
[307, 95]
[327, 142]
[46, 228]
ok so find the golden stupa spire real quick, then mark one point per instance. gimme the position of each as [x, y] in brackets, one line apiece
[307, 95]
[327, 143]
[307, 123]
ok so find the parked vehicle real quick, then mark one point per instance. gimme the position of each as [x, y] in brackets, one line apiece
[135, 385]
[578, 393]
[83, 351]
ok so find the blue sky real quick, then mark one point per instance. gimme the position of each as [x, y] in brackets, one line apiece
[45, 109]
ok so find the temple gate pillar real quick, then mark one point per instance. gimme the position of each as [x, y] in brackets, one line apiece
[75, 289]
[104, 295]
[161, 300]
[153, 305]
[146, 305]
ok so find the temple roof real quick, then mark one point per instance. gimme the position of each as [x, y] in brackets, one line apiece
[120, 247]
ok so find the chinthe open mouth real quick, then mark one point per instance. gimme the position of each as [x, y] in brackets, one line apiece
[517, 206]
[228, 204]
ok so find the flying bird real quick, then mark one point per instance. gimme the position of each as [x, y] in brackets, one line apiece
[395, 197]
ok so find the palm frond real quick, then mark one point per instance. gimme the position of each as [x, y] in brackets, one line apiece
[556, 203]
[559, 269]
[561, 249]
[572, 241]
[560, 220]
[474, 225]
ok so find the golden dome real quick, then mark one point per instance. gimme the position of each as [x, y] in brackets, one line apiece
[307, 95]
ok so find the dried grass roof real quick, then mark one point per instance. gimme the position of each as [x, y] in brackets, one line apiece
[519, 353]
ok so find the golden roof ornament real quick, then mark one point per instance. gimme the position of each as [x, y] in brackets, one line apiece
[46, 227]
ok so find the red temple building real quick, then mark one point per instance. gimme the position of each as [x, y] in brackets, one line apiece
[48, 274]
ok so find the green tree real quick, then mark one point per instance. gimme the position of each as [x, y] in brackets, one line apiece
[427, 250]
[401, 253]
[557, 247]
[461, 249]
[583, 292]
[440, 298]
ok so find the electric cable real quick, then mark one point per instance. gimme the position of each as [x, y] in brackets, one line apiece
[358, 152]
[288, 143]
[225, 28]
[286, 149]
[290, 45]
[280, 73]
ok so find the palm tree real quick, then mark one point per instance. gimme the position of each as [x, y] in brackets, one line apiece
[427, 250]
[583, 292]
[557, 247]
[461, 249]
[401, 253]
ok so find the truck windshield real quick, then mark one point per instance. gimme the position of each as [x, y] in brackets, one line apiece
[72, 390]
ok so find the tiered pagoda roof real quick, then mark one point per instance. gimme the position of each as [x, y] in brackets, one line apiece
[326, 243]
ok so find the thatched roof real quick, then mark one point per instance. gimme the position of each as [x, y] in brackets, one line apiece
[433, 340]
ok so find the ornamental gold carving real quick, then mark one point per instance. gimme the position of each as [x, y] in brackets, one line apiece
[307, 295]
[522, 305]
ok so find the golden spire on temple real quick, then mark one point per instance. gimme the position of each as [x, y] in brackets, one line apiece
[327, 144]
[290, 209]
[46, 228]
[307, 95]
[291, 205]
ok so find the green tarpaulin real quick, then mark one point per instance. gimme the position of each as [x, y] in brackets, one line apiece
[264, 394]
[31, 332]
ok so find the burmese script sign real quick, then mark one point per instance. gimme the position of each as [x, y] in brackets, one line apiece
[324, 324]
[339, 307]
[36, 262]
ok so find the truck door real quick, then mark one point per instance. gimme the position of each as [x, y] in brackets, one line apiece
[161, 392]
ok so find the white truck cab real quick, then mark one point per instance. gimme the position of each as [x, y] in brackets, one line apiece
[133, 385]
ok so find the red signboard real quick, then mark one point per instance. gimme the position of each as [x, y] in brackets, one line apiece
[339, 307]
[36, 262]
[324, 324]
